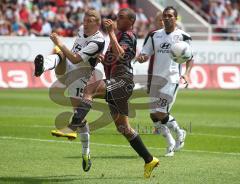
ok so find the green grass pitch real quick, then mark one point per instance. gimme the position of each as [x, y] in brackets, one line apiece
[29, 154]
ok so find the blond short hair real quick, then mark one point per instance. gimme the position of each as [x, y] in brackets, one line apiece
[95, 14]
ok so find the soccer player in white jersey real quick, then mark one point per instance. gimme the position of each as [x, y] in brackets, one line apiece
[80, 59]
[166, 78]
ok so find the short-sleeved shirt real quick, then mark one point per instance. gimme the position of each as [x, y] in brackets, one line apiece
[121, 66]
[159, 43]
[88, 47]
[119, 74]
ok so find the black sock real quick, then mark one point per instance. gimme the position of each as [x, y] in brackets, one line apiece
[140, 148]
[81, 112]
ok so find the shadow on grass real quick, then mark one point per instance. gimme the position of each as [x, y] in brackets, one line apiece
[55, 179]
[38, 180]
[128, 157]
[106, 157]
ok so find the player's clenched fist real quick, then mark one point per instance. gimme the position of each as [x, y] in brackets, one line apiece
[142, 58]
[100, 58]
[109, 25]
[55, 39]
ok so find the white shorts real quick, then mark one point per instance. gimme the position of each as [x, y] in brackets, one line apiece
[75, 79]
[162, 95]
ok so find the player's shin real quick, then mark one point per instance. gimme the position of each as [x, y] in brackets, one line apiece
[80, 113]
[181, 134]
[169, 139]
[83, 131]
[139, 147]
[167, 134]
[172, 124]
[84, 138]
[150, 161]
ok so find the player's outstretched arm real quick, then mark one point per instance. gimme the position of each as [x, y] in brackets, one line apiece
[73, 57]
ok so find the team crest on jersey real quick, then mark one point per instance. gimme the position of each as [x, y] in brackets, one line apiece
[176, 38]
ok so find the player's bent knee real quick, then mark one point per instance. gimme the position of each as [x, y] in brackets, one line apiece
[154, 118]
[121, 129]
[165, 119]
[61, 78]
[159, 116]
[60, 72]
[88, 91]
[124, 130]
[96, 89]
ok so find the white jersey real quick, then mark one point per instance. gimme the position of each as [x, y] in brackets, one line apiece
[88, 47]
[158, 43]
[78, 74]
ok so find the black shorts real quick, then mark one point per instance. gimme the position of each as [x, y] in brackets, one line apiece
[118, 91]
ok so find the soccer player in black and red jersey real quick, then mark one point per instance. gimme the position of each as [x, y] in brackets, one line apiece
[118, 85]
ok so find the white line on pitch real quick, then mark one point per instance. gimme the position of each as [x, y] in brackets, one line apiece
[112, 145]
[193, 134]
[216, 135]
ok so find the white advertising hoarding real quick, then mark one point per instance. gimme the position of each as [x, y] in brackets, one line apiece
[217, 64]
[26, 48]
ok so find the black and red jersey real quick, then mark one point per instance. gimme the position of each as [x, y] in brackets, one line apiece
[115, 66]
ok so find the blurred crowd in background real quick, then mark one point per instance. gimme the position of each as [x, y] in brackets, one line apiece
[41, 17]
[223, 14]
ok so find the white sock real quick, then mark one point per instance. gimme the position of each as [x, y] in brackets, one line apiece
[85, 139]
[50, 62]
[167, 134]
[172, 124]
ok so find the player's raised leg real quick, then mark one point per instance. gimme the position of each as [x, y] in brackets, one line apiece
[49, 62]
[38, 63]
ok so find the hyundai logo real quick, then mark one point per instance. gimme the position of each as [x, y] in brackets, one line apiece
[165, 45]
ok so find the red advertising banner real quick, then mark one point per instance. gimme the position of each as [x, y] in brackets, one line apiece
[216, 76]
[206, 76]
[20, 75]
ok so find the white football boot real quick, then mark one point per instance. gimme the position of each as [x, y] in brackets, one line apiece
[170, 151]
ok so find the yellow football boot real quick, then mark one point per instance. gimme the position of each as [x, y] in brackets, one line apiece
[148, 168]
[65, 132]
[86, 162]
